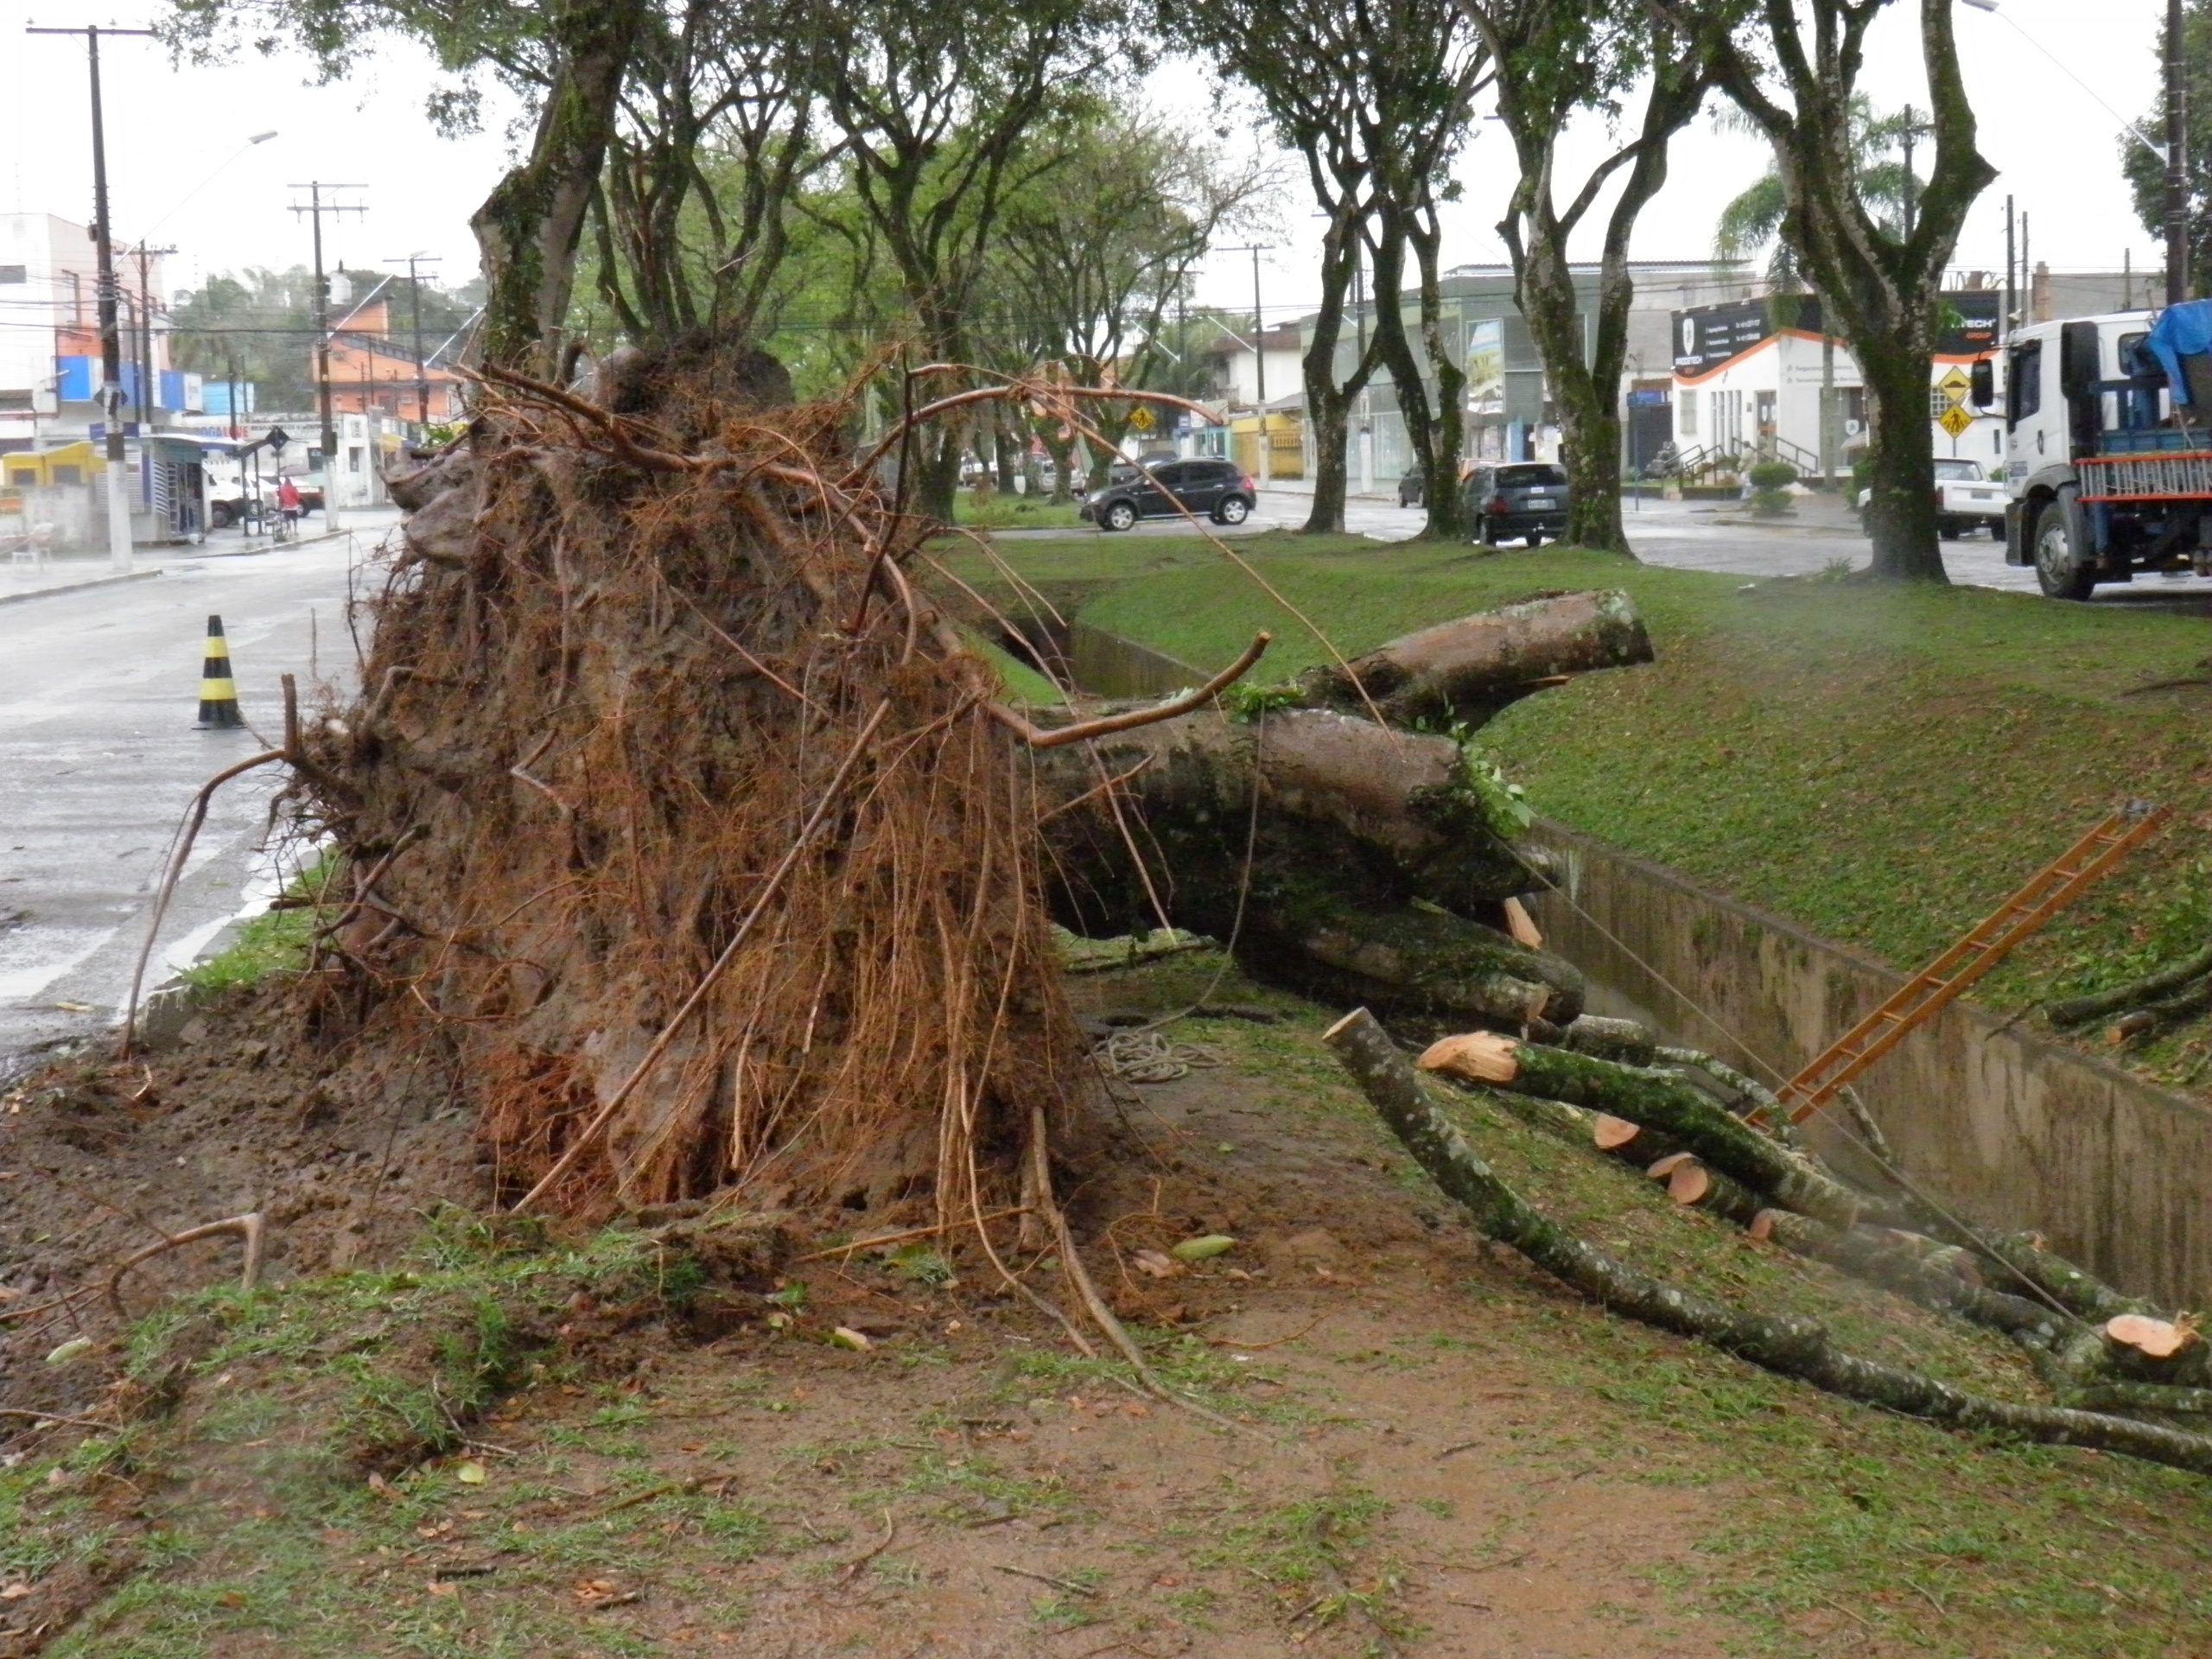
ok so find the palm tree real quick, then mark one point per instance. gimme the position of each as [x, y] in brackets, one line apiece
[1759, 217]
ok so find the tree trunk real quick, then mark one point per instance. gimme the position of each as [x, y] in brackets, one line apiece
[1004, 452]
[529, 228]
[1446, 504]
[1328, 404]
[1664, 1102]
[1902, 450]
[1793, 1347]
[1433, 436]
[1469, 669]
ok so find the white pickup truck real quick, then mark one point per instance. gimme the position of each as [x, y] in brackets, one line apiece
[1965, 498]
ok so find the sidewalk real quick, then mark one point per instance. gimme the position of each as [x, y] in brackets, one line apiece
[73, 572]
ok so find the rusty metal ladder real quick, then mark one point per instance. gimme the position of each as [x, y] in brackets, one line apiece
[2047, 893]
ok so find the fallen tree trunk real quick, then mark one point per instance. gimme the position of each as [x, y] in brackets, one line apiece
[1931, 1276]
[1657, 1100]
[1469, 669]
[2080, 1010]
[1792, 1347]
[1347, 860]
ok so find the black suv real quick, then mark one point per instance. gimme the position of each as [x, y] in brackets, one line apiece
[1215, 488]
[1521, 498]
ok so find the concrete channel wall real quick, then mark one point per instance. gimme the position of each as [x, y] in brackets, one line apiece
[2012, 1130]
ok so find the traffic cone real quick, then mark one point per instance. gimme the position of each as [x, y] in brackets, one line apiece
[218, 694]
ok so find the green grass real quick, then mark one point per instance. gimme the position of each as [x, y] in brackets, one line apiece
[275, 942]
[1012, 513]
[1882, 765]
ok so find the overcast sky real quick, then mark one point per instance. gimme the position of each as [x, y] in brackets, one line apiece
[169, 129]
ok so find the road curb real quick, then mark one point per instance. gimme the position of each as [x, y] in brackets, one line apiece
[77, 587]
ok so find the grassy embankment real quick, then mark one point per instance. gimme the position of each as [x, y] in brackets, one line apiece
[1881, 766]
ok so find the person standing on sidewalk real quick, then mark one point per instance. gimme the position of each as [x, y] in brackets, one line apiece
[288, 503]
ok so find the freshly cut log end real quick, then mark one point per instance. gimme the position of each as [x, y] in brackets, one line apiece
[1477, 1056]
[1762, 1225]
[1611, 1134]
[1521, 926]
[2153, 1338]
[1665, 1169]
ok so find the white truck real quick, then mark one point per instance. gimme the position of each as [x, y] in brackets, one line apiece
[2107, 471]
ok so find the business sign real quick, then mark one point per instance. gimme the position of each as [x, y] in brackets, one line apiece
[1485, 360]
[1707, 336]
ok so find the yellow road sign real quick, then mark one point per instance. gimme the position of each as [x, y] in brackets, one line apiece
[1140, 418]
[1955, 385]
[1954, 420]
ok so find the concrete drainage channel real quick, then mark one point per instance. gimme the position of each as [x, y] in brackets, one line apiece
[2015, 1132]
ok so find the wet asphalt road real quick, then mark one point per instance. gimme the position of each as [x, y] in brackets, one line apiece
[100, 754]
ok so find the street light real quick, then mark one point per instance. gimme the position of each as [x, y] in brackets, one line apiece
[1991, 7]
[176, 206]
[2173, 154]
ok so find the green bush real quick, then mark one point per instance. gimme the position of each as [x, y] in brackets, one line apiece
[1769, 476]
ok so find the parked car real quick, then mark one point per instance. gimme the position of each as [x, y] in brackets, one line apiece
[1215, 488]
[1413, 488]
[1523, 497]
[1965, 497]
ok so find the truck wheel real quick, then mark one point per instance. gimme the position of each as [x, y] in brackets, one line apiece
[1948, 528]
[2059, 570]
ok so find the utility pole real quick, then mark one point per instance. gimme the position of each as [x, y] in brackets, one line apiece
[316, 208]
[149, 383]
[1259, 358]
[422, 375]
[2010, 292]
[118, 502]
[2177, 163]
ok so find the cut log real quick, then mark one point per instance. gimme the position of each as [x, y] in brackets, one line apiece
[1664, 1102]
[1665, 1169]
[1793, 1347]
[1468, 669]
[1521, 927]
[2153, 1338]
[2079, 1292]
[2138, 1396]
[1610, 1133]
[1695, 1185]
[1919, 1269]
[2080, 1010]
[1631, 1143]
[1621, 1040]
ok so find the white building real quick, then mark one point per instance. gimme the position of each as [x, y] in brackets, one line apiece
[1748, 380]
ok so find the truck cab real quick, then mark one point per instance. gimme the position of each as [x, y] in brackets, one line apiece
[2107, 474]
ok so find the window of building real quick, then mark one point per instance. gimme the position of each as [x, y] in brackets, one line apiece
[352, 458]
[15, 273]
[1686, 415]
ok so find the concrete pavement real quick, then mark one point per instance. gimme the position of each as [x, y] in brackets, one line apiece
[100, 756]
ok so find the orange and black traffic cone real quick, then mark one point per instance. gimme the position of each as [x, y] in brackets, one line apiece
[218, 693]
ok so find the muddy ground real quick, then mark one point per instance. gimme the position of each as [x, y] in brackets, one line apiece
[1400, 1439]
